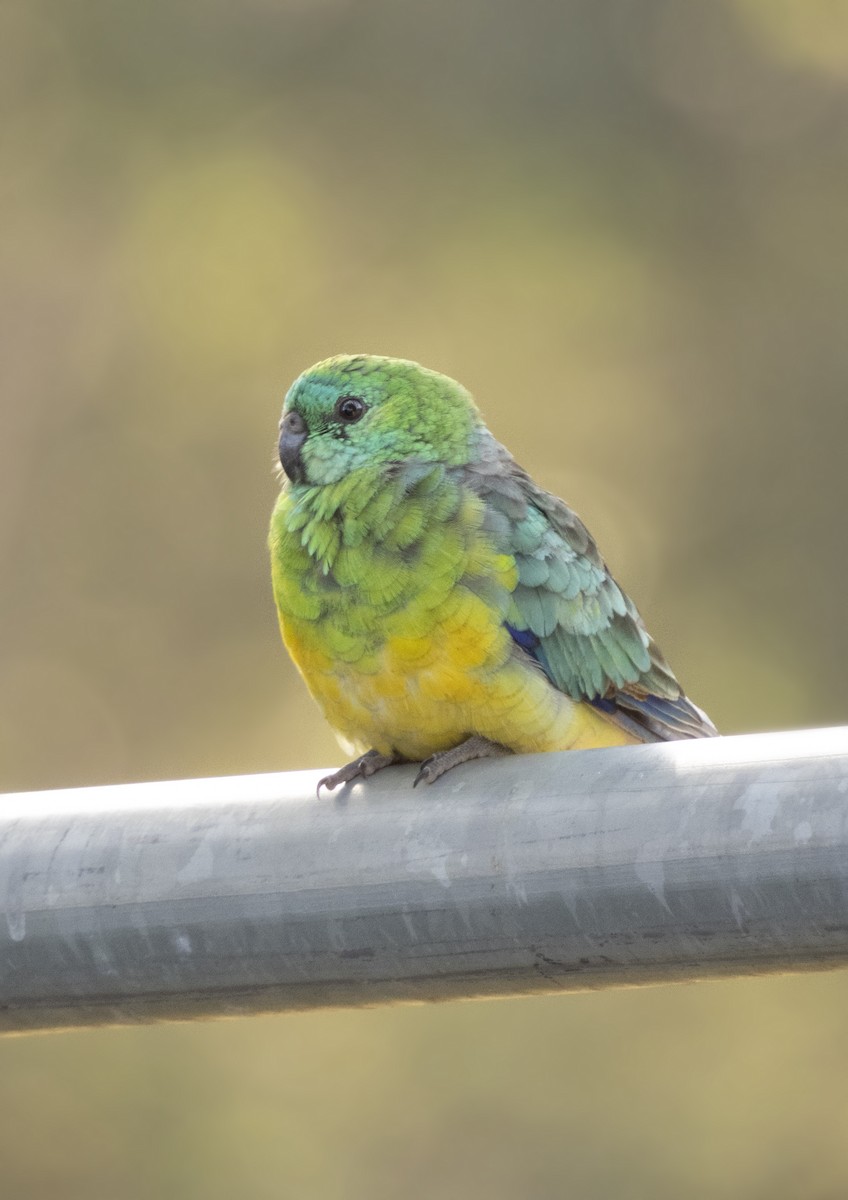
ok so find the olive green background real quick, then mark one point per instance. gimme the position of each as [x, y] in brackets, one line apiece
[623, 225]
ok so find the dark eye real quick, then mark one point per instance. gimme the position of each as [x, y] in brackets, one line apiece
[349, 408]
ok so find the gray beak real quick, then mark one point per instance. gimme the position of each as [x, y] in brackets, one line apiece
[293, 433]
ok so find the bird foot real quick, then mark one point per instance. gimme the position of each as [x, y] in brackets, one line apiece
[474, 747]
[361, 768]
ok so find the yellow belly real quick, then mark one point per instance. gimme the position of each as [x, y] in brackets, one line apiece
[423, 693]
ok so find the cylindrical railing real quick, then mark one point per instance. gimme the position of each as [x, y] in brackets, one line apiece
[682, 860]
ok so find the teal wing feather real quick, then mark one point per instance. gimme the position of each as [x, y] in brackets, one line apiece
[567, 611]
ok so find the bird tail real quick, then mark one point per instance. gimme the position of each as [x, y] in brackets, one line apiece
[656, 718]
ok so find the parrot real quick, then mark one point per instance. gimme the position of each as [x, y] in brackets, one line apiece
[439, 604]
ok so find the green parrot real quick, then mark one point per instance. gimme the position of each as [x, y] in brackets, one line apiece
[439, 604]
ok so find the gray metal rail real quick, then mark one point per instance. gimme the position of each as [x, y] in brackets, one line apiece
[686, 860]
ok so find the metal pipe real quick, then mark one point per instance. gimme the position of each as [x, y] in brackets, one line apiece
[682, 860]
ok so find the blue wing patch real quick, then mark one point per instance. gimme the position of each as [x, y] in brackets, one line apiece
[525, 638]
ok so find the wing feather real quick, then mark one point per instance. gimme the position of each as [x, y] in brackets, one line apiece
[568, 612]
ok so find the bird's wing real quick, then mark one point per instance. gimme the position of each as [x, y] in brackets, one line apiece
[569, 614]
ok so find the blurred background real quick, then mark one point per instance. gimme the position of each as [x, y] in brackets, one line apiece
[625, 227]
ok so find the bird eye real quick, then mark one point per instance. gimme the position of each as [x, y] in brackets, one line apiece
[349, 409]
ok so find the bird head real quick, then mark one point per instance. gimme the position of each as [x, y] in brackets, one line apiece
[361, 410]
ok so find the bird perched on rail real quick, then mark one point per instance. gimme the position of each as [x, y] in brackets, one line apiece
[440, 605]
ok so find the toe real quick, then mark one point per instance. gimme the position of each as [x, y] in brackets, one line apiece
[437, 765]
[425, 774]
[361, 768]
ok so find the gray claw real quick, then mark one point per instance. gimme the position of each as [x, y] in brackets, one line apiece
[364, 767]
[439, 764]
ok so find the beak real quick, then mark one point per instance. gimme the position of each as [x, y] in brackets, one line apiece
[293, 433]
